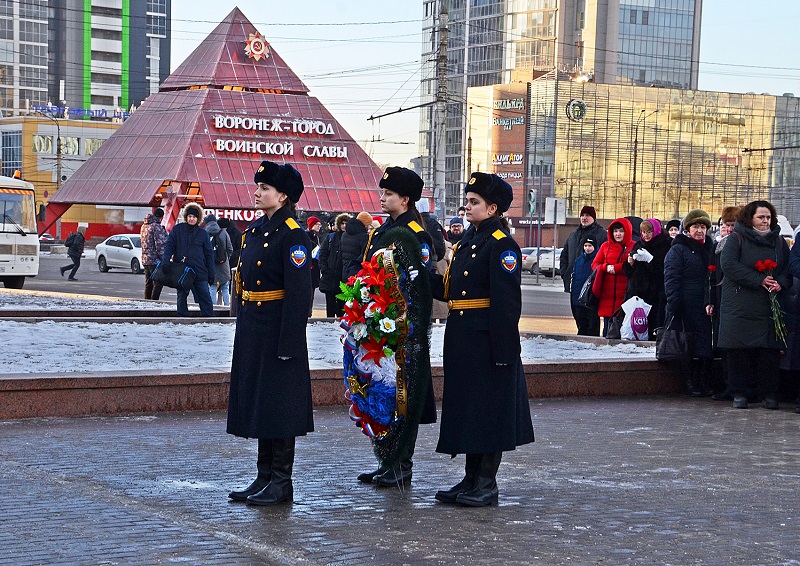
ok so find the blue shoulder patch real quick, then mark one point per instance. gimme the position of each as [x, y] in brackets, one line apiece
[298, 255]
[508, 260]
[426, 253]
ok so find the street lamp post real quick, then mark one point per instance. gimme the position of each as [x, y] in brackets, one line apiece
[642, 116]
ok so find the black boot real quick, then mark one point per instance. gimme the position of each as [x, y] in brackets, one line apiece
[397, 475]
[705, 376]
[691, 378]
[484, 490]
[280, 488]
[368, 477]
[470, 471]
[264, 466]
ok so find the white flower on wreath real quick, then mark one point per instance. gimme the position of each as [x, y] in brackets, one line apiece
[387, 325]
[364, 294]
[369, 310]
[359, 331]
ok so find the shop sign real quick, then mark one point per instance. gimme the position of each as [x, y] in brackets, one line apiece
[508, 123]
[509, 104]
[243, 215]
[507, 159]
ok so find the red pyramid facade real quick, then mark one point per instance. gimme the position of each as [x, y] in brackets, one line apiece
[202, 136]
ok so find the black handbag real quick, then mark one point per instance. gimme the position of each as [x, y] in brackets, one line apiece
[175, 274]
[587, 298]
[673, 345]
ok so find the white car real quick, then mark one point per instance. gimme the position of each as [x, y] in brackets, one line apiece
[549, 264]
[122, 250]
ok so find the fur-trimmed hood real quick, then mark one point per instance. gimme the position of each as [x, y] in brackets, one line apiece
[186, 207]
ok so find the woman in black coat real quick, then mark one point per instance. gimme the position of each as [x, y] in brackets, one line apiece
[685, 280]
[485, 409]
[330, 265]
[270, 391]
[646, 279]
[402, 188]
[747, 327]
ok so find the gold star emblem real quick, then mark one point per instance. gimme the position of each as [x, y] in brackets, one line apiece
[256, 46]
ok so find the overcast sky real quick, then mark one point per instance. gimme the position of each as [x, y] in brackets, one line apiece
[362, 58]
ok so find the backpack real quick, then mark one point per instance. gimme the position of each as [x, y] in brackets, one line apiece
[220, 253]
[70, 240]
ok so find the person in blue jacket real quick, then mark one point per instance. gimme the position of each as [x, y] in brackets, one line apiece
[190, 243]
[586, 319]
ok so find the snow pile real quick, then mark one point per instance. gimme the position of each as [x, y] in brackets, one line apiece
[44, 347]
[45, 300]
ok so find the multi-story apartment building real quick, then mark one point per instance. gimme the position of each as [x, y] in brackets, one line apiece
[632, 42]
[86, 55]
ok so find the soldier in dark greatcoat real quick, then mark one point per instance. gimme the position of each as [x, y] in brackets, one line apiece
[485, 404]
[270, 391]
[402, 188]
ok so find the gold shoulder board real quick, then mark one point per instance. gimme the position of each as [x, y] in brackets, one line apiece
[499, 234]
[414, 226]
[292, 223]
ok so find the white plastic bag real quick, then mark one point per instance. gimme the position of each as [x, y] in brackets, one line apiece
[634, 325]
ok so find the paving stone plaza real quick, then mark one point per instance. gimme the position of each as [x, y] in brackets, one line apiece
[651, 480]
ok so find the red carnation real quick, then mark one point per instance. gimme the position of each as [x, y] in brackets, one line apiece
[712, 268]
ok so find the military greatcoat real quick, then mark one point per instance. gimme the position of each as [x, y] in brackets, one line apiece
[377, 241]
[485, 405]
[271, 397]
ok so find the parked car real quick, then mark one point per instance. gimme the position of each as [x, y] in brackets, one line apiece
[47, 238]
[530, 258]
[549, 262]
[122, 250]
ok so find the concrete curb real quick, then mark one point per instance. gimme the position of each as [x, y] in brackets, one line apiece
[153, 391]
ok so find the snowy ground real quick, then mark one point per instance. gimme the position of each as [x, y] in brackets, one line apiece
[45, 300]
[90, 346]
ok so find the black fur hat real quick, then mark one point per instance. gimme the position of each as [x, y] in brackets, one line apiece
[284, 177]
[492, 188]
[402, 181]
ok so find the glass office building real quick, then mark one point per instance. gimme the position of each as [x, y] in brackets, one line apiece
[650, 152]
[634, 42]
[94, 57]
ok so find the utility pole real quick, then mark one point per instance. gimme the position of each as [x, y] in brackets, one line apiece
[440, 194]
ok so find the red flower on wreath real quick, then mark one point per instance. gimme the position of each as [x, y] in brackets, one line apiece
[374, 349]
[382, 300]
[353, 312]
[376, 278]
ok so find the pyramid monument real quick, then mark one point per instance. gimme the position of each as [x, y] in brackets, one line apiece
[231, 104]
